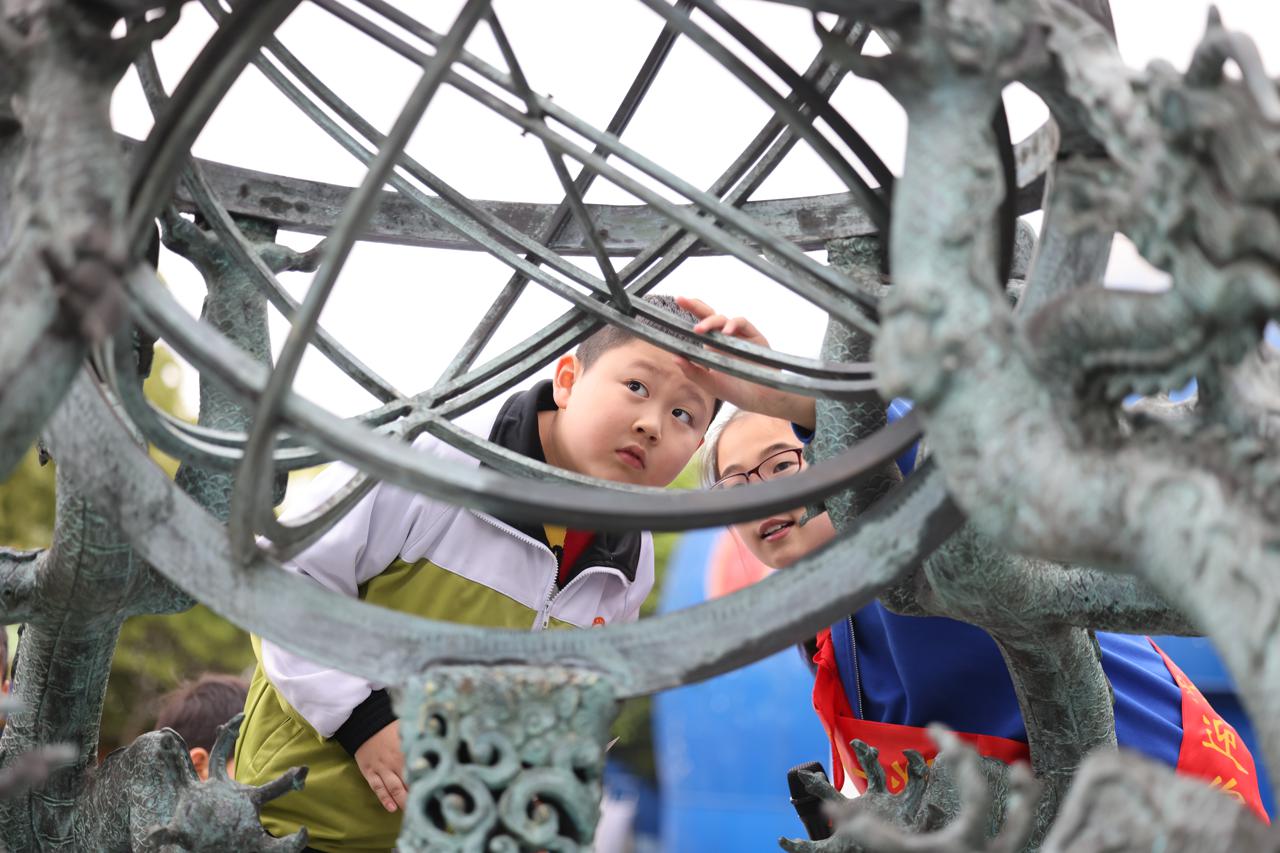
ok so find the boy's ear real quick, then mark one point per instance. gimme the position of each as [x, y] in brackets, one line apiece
[568, 371]
[200, 760]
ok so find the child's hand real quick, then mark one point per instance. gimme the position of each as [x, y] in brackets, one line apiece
[741, 393]
[382, 763]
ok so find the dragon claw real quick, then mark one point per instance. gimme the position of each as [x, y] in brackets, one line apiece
[292, 779]
[223, 747]
[869, 758]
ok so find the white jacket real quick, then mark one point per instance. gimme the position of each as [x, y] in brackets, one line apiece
[392, 524]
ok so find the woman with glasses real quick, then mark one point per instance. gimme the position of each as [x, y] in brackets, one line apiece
[881, 677]
[755, 448]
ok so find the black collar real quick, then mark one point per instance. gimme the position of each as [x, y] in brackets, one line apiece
[516, 428]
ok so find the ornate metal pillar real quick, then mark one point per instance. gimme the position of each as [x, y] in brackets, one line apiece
[504, 757]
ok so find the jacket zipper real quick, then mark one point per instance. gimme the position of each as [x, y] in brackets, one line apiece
[552, 594]
[544, 615]
[538, 622]
[857, 675]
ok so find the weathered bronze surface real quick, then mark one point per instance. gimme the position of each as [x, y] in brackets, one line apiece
[504, 757]
[1046, 509]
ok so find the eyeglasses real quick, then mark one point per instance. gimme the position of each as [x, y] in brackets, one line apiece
[784, 463]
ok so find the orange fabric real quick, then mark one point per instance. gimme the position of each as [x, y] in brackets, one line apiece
[732, 567]
[891, 740]
[1211, 749]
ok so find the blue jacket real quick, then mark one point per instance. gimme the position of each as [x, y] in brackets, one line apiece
[914, 670]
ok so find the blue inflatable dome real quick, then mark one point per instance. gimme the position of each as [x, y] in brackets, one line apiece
[724, 746]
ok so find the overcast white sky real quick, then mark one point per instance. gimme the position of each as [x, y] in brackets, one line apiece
[405, 311]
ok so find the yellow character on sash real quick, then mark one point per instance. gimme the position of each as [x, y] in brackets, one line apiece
[1229, 788]
[1221, 739]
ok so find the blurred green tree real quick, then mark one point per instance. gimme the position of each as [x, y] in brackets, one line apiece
[26, 504]
[155, 653]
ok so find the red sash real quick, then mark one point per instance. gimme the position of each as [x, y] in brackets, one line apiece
[1211, 748]
[890, 739]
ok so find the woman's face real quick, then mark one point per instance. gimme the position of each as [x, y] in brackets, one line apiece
[779, 540]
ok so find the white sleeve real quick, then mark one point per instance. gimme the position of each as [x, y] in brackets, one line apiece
[643, 583]
[360, 546]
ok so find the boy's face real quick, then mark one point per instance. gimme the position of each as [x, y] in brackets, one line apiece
[632, 417]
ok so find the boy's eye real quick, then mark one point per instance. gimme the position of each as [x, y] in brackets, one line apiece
[683, 415]
[637, 387]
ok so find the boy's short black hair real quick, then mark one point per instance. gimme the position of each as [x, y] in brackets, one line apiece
[609, 337]
[196, 709]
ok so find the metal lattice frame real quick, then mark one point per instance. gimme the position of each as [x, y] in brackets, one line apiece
[907, 542]
[405, 417]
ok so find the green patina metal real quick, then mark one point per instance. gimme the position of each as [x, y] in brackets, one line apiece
[1118, 519]
[504, 757]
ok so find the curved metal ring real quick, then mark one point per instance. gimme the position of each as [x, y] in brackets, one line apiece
[190, 548]
[589, 507]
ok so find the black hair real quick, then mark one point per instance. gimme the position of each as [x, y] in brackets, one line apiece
[610, 337]
[196, 709]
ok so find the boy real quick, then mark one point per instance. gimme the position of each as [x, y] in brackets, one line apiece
[195, 709]
[619, 409]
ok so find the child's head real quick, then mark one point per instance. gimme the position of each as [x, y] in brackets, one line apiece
[749, 448]
[195, 709]
[627, 412]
